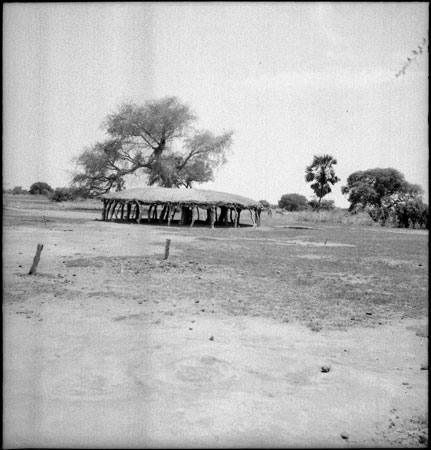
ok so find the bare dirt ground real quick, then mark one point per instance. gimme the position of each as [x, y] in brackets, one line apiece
[222, 345]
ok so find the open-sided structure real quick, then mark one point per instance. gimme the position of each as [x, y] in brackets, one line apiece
[222, 208]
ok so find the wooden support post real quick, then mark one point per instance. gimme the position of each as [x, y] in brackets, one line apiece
[115, 210]
[174, 210]
[163, 214]
[258, 212]
[212, 216]
[122, 210]
[138, 212]
[235, 221]
[112, 209]
[119, 210]
[252, 217]
[223, 215]
[108, 207]
[167, 245]
[155, 211]
[169, 215]
[36, 259]
[195, 212]
[226, 218]
[128, 210]
[104, 209]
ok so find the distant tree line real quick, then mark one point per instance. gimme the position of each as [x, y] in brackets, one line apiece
[60, 194]
[297, 202]
[383, 193]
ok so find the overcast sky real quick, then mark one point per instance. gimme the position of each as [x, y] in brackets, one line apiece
[292, 80]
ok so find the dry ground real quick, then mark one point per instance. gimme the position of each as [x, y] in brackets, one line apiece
[221, 345]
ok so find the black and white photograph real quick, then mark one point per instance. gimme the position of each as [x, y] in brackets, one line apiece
[215, 225]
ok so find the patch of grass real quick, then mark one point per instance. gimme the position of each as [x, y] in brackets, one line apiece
[333, 287]
[337, 216]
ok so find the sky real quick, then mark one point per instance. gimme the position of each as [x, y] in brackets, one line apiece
[290, 79]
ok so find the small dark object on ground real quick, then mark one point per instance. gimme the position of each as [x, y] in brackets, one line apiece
[325, 369]
[344, 435]
[211, 338]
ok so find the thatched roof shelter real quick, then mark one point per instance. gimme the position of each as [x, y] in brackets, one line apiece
[130, 205]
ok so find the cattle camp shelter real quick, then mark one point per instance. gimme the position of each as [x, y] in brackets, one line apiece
[159, 205]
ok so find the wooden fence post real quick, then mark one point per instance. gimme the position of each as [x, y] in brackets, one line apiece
[168, 243]
[36, 259]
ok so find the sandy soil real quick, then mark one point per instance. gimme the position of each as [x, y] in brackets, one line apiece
[92, 361]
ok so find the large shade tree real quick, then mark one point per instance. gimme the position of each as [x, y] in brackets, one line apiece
[40, 188]
[321, 174]
[157, 139]
[380, 192]
[293, 202]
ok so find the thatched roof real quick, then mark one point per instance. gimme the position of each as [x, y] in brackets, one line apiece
[182, 196]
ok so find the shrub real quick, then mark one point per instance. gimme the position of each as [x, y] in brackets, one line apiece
[325, 205]
[68, 193]
[18, 190]
[337, 216]
[265, 203]
[411, 214]
[62, 195]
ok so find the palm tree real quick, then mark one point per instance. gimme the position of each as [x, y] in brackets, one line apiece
[322, 174]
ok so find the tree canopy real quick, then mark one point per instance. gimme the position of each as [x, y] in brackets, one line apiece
[380, 192]
[322, 174]
[158, 140]
[376, 188]
[40, 188]
[293, 202]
